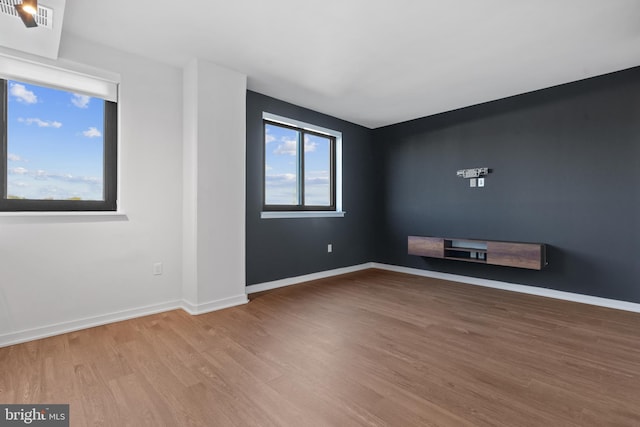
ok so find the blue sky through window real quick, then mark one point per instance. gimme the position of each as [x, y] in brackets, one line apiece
[281, 170]
[316, 174]
[55, 147]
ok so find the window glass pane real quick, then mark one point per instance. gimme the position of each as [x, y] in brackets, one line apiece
[317, 170]
[281, 165]
[55, 144]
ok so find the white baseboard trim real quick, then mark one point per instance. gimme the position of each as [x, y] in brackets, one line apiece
[196, 309]
[207, 307]
[89, 322]
[265, 286]
[525, 289]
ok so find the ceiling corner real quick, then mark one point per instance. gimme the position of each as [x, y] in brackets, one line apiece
[38, 41]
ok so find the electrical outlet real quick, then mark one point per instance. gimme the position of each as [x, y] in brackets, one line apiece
[480, 182]
[157, 268]
[472, 182]
[329, 248]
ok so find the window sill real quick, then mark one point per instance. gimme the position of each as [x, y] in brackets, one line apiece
[63, 216]
[301, 214]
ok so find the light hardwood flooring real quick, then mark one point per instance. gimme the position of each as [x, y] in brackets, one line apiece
[370, 348]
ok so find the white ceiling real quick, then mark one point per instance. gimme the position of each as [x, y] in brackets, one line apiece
[376, 62]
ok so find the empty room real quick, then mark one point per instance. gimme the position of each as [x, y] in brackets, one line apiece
[320, 213]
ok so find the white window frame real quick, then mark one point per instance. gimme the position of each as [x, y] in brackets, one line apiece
[338, 212]
[98, 84]
[68, 76]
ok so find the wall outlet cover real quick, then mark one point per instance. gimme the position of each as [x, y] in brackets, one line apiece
[157, 268]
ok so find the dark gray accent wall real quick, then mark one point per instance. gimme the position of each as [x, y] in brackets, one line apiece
[566, 172]
[281, 248]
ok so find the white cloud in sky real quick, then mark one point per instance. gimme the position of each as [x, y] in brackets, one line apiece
[80, 101]
[281, 178]
[317, 181]
[18, 171]
[41, 174]
[317, 177]
[41, 123]
[310, 146]
[281, 189]
[288, 147]
[56, 192]
[269, 138]
[14, 157]
[317, 190]
[22, 94]
[92, 133]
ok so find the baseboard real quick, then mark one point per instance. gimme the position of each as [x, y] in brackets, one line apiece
[207, 307]
[265, 286]
[196, 309]
[525, 289]
[513, 287]
[89, 322]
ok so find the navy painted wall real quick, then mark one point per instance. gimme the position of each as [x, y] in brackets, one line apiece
[566, 172]
[281, 248]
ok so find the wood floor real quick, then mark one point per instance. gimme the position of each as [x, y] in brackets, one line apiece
[370, 348]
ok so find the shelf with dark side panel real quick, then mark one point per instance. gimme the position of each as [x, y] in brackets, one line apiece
[510, 254]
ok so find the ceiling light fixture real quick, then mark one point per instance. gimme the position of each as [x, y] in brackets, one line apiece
[27, 11]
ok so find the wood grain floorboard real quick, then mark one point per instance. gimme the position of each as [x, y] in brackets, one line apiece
[372, 348]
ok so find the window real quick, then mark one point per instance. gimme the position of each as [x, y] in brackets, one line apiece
[58, 149]
[301, 167]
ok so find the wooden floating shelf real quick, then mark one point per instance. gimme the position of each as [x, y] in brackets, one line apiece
[511, 254]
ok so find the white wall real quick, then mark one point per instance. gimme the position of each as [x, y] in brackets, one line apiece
[59, 273]
[190, 184]
[214, 186]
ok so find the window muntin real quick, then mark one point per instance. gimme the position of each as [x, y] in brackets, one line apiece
[299, 169]
[59, 150]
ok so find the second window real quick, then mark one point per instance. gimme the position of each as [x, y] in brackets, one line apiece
[299, 168]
